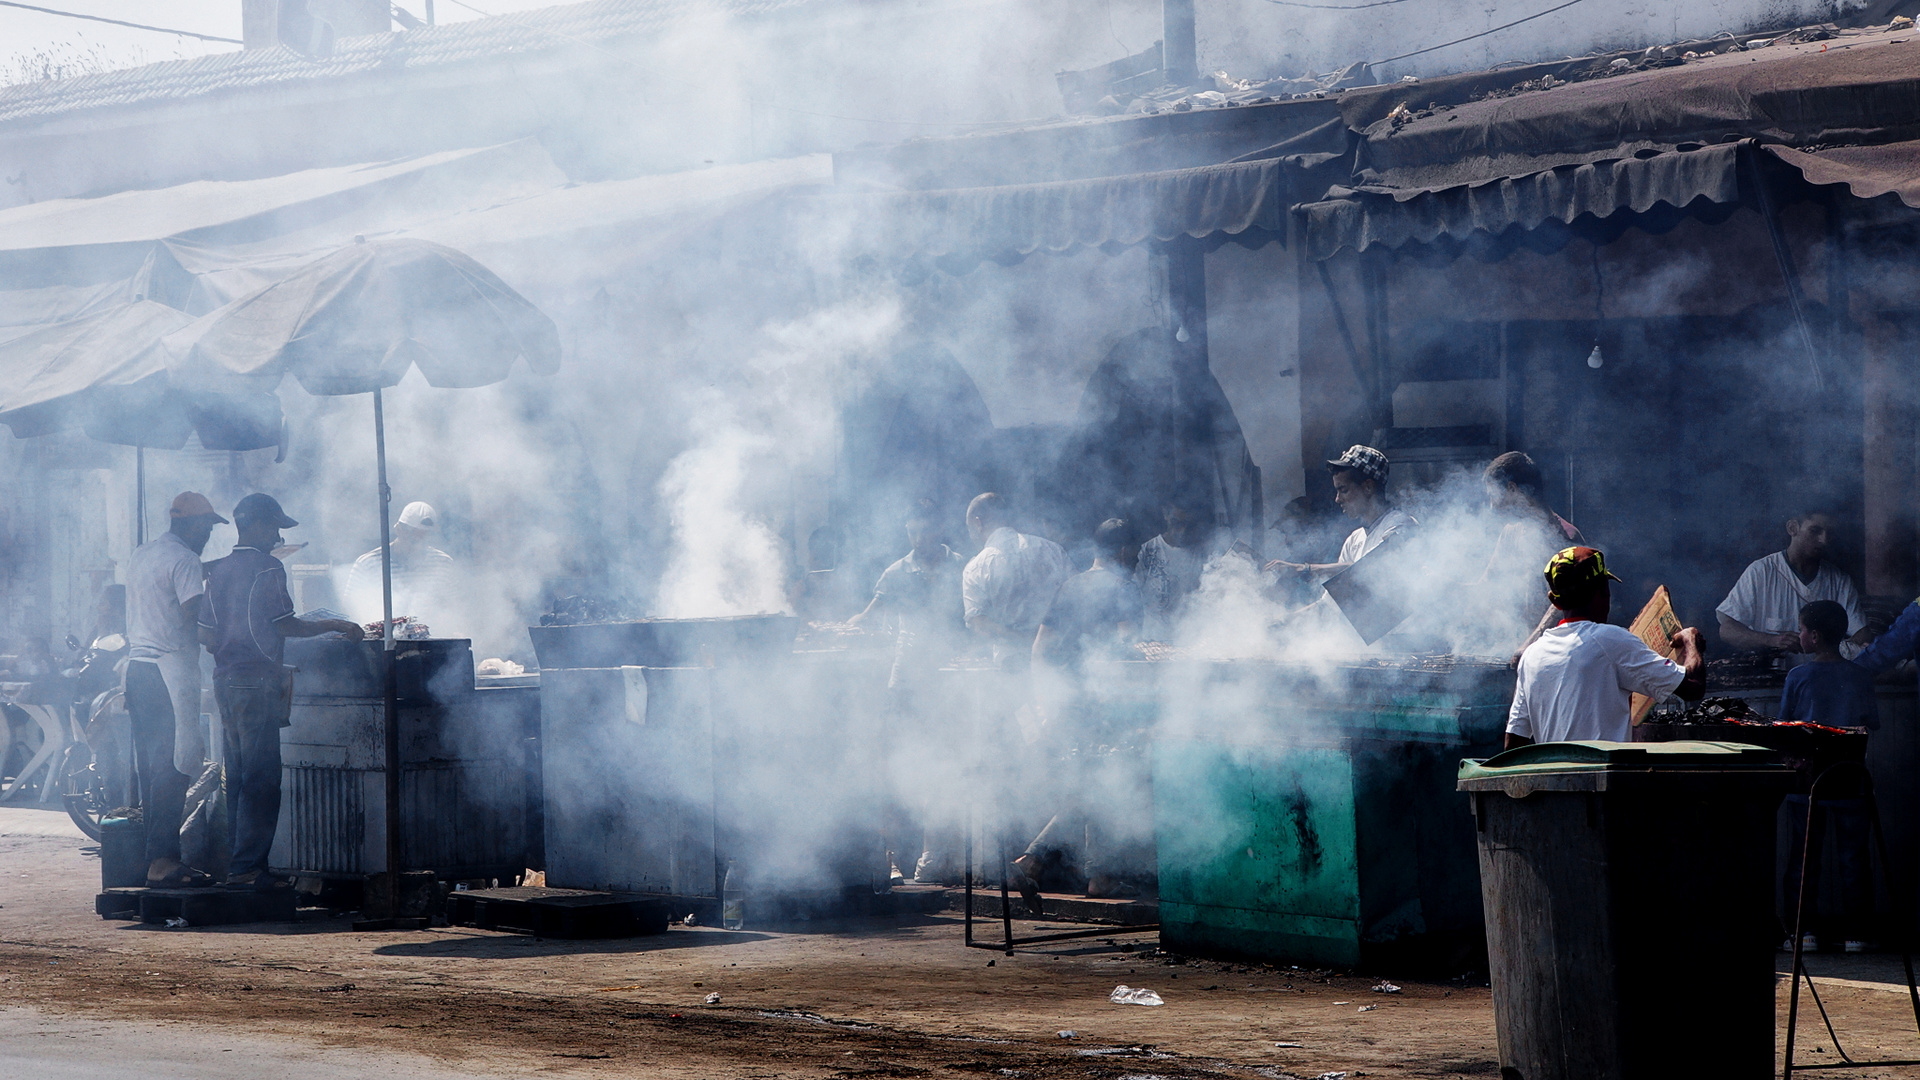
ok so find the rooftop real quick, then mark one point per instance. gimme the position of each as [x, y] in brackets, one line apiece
[588, 26]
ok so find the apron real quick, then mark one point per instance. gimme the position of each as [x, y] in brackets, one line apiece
[181, 672]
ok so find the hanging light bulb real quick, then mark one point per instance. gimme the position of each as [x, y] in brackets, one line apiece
[1180, 335]
[1594, 359]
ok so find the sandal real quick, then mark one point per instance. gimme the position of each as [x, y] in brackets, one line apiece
[181, 877]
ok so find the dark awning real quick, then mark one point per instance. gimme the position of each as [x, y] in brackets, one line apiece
[960, 227]
[1868, 171]
[1656, 189]
[1363, 217]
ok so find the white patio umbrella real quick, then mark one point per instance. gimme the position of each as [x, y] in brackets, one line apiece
[106, 374]
[353, 322]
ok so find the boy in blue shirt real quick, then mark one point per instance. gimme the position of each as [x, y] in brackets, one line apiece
[1831, 690]
[1828, 689]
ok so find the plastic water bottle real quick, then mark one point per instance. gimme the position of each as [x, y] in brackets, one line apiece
[733, 900]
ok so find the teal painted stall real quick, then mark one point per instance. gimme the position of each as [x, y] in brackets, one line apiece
[1317, 822]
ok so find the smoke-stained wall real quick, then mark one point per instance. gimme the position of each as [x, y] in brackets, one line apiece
[1263, 39]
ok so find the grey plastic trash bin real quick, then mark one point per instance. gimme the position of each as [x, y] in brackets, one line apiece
[1628, 890]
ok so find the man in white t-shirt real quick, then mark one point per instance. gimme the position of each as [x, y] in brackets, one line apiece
[165, 582]
[1577, 679]
[1006, 588]
[1762, 613]
[1360, 490]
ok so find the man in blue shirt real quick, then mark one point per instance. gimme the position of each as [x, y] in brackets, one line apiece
[245, 619]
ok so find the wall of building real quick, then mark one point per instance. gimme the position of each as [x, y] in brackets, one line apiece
[1259, 39]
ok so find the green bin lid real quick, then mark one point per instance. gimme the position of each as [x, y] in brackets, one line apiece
[1597, 755]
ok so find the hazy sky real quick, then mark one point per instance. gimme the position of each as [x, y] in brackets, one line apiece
[28, 38]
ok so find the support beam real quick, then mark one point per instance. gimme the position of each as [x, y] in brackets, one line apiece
[1889, 457]
[1182, 55]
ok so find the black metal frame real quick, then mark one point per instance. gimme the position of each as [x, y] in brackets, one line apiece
[1008, 942]
[1799, 922]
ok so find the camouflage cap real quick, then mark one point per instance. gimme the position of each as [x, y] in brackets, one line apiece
[1364, 460]
[1573, 574]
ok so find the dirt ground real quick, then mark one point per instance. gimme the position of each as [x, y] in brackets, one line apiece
[893, 998]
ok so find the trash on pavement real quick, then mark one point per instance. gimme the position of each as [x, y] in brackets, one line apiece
[713, 999]
[1127, 995]
[1385, 987]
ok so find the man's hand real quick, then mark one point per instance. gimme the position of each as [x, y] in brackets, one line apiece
[1784, 642]
[1689, 651]
[1277, 565]
[352, 631]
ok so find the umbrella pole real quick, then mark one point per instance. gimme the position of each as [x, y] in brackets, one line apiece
[390, 673]
[139, 495]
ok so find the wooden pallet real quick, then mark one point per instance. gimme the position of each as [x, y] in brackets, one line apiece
[119, 903]
[559, 913]
[199, 907]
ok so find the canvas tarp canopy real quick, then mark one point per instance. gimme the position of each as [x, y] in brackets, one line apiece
[1246, 198]
[202, 244]
[1647, 146]
[81, 267]
[1469, 157]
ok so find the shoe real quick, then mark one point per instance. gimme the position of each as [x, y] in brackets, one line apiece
[259, 881]
[1860, 946]
[1021, 880]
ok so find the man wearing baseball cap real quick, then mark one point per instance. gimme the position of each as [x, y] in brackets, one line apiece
[1577, 679]
[245, 621]
[422, 573]
[164, 586]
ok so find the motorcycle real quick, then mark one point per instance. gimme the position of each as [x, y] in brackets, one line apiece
[96, 773]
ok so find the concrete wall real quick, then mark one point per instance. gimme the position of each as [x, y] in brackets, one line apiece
[1258, 39]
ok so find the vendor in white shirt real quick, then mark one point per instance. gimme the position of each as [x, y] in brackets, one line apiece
[1762, 613]
[1360, 490]
[1577, 680]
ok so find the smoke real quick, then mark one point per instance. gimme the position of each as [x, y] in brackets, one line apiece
[724, 493]
[723, 561]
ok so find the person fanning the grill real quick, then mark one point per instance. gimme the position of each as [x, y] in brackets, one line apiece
[1578, 678]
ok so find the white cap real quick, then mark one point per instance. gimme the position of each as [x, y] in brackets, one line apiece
[417, 515]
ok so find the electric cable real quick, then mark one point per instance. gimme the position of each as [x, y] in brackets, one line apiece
[1481, 34]
[121, 22]
[1335, 7]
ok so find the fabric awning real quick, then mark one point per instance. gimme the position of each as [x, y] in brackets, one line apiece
[1361, 218]
[1868, 171]
[961, 227]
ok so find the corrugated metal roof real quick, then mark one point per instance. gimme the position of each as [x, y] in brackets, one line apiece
[575, 26]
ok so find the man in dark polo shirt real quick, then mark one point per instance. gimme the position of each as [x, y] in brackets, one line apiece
[244, 622]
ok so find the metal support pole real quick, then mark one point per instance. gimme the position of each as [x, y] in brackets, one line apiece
[1789, 274]
[388, 671]
[139, 495]
[391, 918]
